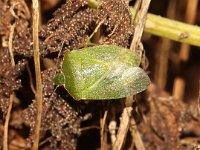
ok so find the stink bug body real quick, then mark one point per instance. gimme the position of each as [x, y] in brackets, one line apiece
[102, 72]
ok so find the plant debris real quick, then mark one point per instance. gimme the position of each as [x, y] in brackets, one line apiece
[70, 28]
[9, 78]
[167, 123]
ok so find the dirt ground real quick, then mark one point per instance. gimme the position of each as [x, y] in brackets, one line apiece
[164, 117]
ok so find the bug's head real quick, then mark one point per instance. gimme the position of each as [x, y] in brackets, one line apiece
[59, 79]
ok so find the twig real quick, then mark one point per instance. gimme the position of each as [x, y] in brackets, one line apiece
[136, 134]
[38, 95]
[96, 29]
[89, 128]
[198, 101]
[163, 48]
[112, 130]
[179, 82]
[5, 138]
[190, 17]
[123, 128]
[178, 88]
[102, 133]
[140, 25]
[125, 120]
[173, 30]
[190, 141]
[12, 29]
[112, 126]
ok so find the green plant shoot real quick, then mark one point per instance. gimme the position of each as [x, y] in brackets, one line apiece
[102, 72]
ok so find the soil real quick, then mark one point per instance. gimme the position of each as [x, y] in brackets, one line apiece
[164, 121]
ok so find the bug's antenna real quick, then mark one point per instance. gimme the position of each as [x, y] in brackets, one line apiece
[59, 54]
[54, 91]
[56, 69]
[57, 62]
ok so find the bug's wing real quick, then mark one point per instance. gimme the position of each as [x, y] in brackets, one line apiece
[103, 72]
[104, 54]
[126, 82]
[81, 72]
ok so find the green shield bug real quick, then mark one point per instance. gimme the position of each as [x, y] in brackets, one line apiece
[102, 72]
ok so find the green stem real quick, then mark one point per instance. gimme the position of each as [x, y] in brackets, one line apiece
[173, 30]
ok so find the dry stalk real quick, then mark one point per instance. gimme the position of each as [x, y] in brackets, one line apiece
[140, 25]
[123, 128]
[179, 83]
[125, 119]
[163, 50]
[199, 98]
[190, 16]
[102, 132]
[38, 95]
[136, 135]
[12, 29]
[6, 125]
[112, 130]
